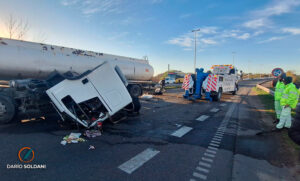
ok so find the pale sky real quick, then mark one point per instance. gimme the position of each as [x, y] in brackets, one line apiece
[264, 34]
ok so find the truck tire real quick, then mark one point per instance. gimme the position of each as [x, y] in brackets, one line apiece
[7, 109]
[218, 95]
[135, 106]
[135, 90]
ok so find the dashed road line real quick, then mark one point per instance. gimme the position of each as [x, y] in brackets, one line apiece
[137, 161]
[214, 110]
[212, 149]
[217, 139]
[199, 175]
[209, 155]
[215, 145]
[207, 159]
[205, 164]
[216, 142]
[202, 118]
[181, 131]
[218, 136]
[223, 104]
[202, 169]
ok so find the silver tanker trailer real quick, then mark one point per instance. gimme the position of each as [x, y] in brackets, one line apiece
[84, 86]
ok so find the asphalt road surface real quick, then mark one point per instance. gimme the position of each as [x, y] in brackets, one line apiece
[172, 139]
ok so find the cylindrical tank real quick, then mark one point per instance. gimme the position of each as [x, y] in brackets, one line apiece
[21, 59]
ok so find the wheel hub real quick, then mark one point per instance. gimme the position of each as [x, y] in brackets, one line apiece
[2, 109]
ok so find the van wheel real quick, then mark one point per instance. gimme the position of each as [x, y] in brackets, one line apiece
[135, 90]
[236, 88]
[217, 97]
[7, 109]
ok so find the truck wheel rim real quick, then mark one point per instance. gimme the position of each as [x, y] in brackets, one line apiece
[2, 109]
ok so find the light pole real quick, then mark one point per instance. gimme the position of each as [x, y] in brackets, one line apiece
[195, 55]
[233, 53]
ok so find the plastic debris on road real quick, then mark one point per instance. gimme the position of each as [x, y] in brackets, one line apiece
[92, 133]
[72, 138]
[91, 147]
[146, 97]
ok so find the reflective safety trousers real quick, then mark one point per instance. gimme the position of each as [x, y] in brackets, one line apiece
[285, 118]
[279, 90]
[290, 96]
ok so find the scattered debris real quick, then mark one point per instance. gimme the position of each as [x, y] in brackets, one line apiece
[63, 142]
[92, 147]
[72, 138]
[92, 133]
[146, 97]
[177, 125]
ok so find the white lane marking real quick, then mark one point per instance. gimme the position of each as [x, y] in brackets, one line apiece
[220, 137]
[217, 142]
[214, 110]
[220, 133]
[137, 161]
[211, 151]
[214, 145]
[209, 155]
[181, 131]
[217, 139]
[202, 169]
[192, 179]
[205, 164]
[212, 148]
[223, 104]
[199, 175]
[207, 159]
[202, 118]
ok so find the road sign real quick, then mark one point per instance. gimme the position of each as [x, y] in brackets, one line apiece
[277, 72]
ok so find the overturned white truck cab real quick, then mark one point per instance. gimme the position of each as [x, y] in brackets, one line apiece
[91, 97]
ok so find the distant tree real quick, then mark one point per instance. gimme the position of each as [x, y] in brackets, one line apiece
[16, 28]
[292, 74]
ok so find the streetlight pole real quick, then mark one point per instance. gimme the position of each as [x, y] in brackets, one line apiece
[195, 55]
[233, 53]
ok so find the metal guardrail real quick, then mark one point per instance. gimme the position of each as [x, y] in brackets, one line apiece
[265, 89]
[268, 90]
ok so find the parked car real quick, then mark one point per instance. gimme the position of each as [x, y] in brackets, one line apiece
[169, 81]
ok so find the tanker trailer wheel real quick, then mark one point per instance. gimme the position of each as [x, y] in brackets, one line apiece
[135, 90]
[7, 109]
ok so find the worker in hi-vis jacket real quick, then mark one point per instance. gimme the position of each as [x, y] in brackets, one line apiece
[277, 96]
[288, 101]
